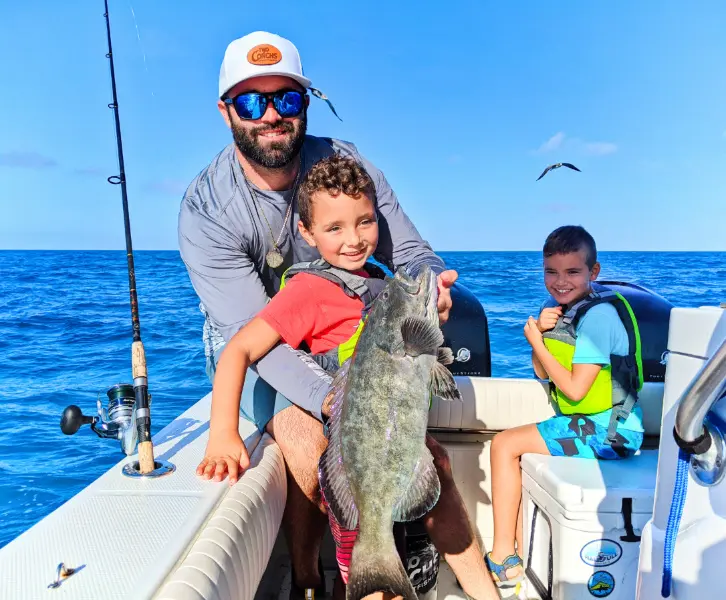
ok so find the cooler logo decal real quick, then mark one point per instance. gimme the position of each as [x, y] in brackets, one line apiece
[601, 584]
[601, 553]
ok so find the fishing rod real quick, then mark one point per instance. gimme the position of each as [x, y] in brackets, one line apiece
[138, 357]
[128, 417]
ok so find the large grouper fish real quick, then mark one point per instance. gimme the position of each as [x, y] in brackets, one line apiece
[377, 468]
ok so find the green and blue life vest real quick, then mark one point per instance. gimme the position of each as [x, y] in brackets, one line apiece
[617, 384]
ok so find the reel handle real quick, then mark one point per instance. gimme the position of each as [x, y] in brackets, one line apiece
[72, 420]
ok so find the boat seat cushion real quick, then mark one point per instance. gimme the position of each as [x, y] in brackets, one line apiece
[495, 404]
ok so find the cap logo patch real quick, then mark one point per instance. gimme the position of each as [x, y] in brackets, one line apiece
[264, 54]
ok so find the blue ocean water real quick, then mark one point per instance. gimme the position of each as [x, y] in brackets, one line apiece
[65, 337]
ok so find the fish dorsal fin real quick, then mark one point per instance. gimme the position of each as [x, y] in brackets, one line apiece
[442, 382]
[333, 480]
[422, 492]
[420, 336]
[445, 356]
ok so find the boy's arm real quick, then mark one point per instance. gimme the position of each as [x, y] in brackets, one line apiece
[538, 368]
[574, 384]
[547, 320]
[247, 346]
[225, 450]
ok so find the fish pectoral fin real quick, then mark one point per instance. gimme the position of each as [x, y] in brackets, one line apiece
[420, 336]
[443, 384]
[445, 356]
[422, 493]
[333, 480]
[335, 487]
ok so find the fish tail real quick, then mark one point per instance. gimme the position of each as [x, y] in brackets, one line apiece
[377, 567]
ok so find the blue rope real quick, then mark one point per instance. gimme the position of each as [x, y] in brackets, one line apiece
[674, 520]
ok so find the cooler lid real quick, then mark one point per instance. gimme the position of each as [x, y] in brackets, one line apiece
[588, 485]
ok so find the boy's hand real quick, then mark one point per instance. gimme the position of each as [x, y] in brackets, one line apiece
[445, 280]
[548, 318]
[532, 332]
[225, 453]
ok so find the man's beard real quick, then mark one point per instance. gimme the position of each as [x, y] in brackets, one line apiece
[278, 154]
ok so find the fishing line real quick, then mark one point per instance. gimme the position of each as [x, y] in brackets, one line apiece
[141, 46]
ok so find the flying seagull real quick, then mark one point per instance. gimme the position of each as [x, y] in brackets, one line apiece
[557, 166]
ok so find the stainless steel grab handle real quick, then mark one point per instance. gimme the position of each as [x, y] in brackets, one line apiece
[707, 387]
[692, 421]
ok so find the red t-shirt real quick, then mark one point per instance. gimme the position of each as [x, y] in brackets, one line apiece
[313, 310]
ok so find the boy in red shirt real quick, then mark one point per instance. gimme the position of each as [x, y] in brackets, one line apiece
[308, 309]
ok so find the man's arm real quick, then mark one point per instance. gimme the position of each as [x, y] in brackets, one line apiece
[226, 280]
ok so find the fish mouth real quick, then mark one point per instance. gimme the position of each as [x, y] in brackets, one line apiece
[409, 284]
[423, 286]
[430, 290]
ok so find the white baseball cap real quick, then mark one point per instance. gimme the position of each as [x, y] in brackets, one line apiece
[257, 54]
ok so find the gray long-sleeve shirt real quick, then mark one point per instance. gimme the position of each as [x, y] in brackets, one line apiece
[223, 240]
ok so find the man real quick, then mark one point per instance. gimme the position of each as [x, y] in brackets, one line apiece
[238, 234]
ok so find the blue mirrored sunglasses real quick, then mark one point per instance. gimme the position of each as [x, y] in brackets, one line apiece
[252, 105]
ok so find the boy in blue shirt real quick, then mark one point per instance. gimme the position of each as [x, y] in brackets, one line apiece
[586, 346]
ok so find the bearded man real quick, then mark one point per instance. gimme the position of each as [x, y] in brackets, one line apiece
[237, 236]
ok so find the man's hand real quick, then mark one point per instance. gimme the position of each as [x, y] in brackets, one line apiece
[225, 453]
[327, 405]
[548, 318]
[445, 280]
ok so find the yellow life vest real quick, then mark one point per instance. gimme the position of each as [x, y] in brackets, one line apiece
[616, 385]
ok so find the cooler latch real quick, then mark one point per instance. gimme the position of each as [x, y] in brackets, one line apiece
[627, 510]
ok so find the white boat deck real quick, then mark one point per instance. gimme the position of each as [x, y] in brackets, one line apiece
[131, 535]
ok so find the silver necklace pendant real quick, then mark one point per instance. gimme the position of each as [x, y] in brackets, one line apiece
[274, 258]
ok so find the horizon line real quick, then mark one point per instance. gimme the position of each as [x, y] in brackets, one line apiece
[135, 250]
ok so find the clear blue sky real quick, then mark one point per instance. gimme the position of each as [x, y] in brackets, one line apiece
[461, 104]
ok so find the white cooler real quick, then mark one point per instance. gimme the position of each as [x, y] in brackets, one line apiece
[582, 522]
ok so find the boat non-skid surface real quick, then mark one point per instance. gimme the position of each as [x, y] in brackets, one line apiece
[129, 534]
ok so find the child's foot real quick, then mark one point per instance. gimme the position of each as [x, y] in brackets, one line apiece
[507, 572]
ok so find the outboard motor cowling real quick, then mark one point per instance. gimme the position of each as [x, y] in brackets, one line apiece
[467, 334]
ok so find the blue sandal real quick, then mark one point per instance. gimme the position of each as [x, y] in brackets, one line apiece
[499, 570]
